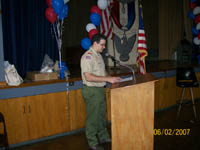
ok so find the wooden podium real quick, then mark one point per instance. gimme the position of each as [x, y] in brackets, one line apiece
[132, 114]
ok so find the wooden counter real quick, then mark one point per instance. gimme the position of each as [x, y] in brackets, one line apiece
[62, 109]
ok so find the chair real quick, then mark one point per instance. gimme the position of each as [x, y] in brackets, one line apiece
[3, 136]
[186, 78]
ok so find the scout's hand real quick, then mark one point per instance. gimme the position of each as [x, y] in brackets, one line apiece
[114, 79]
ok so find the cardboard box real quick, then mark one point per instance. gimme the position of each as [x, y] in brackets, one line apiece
[37, 76]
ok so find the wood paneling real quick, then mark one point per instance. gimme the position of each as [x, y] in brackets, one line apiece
[15, 117]
[34, 117]
[165, 92]
[76, 110]
[108, 103]
[197, 90]
[168, 94]
[47, 114]
[38, 116]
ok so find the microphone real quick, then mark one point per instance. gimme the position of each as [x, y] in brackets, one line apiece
[118, 62]
[112, 58]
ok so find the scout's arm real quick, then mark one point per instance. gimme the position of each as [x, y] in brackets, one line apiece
[94, 78]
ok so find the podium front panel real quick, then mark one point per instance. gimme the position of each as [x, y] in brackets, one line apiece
[132, 117]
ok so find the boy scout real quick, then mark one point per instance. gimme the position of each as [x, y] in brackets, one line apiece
[94, 80]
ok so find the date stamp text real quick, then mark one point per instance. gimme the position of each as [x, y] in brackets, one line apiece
[178, 132]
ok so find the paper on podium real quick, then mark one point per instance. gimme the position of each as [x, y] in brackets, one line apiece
[126, 79]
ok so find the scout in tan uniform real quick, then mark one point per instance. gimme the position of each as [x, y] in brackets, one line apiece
[93, 91]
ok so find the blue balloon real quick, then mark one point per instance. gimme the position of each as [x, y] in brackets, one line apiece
[191, 15]
[63, 13]
[192, 1]
[86, 43]
[95, 19]
[62, 65]
[57, 5]
[62, 74]
[194, 31]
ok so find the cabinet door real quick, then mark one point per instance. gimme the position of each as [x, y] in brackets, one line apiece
[48, 114]
[15, 117]
[77, 110]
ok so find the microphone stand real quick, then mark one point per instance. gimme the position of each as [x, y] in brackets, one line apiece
[126, 66]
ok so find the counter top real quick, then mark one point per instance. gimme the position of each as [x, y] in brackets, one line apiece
[157, 68]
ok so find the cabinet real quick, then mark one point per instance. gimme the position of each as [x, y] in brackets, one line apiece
[78, 111]
[14, 114]
[33, 117]
[167, 93]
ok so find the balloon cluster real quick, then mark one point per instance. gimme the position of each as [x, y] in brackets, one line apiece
[55, 13]
[95, 18]
[194, 14]
[56, 9]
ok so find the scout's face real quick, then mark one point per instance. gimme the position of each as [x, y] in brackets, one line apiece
[100, 46]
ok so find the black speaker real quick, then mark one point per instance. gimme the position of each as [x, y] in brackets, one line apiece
[186, 77]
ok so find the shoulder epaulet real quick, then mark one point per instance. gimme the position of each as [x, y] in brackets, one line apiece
[90, 53]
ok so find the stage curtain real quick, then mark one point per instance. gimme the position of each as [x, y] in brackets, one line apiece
[27, 34]
[171, 26]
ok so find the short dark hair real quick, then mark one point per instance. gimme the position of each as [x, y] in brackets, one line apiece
[97, 37]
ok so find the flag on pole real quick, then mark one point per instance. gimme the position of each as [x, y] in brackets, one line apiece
[106, 26]
[142, 46]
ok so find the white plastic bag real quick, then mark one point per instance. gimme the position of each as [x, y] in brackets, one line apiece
[47, 64]
[11, 75]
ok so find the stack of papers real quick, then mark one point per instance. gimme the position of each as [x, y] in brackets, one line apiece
[126, 79]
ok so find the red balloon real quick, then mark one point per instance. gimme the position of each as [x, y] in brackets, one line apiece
[93, 32]
[199, 35]
[49, 3]
[192, 5]
[95, 9]
[197, 19]
[50, 15]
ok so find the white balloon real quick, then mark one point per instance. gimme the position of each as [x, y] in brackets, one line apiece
[66, 1]
[102, 4]
[198, 26]
[196, 41]
[196, 10]
[90, 26]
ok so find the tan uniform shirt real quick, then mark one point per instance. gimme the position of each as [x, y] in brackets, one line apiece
[92, 62]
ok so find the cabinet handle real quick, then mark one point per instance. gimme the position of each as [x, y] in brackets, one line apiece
[24, 109]
[29, 108]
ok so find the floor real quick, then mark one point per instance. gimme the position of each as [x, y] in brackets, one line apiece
[188, 131]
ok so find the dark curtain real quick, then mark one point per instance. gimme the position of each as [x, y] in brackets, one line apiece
[27, 34]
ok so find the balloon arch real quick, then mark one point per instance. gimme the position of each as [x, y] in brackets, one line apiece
[95, 18]
[194, 14]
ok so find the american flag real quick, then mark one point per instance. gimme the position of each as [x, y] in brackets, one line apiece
[142, 47]
[106, 26]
